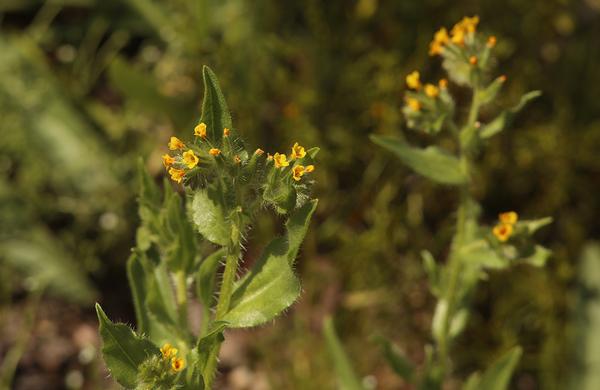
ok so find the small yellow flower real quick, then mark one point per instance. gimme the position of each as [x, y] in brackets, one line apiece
[297, 172]
[236, 159]
[225, 132]
[176, 174]
[200, 130]
[461, 29]
[508, 218]
[443, 84]
[503, 231]
[177, 364]
[491, 42]
[458, 37]
[439, 40]
[309, 169]
[167, 160]
[473, 60]
[297, 151]
[502, 78]
[214, 152]
[413, 103]
[280, 160]
[412, 80]
[190, 159]
[168, 351]
[431, 90]
[259, 152]
[175, 143]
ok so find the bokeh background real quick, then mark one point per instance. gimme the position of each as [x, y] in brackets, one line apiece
[87, 86]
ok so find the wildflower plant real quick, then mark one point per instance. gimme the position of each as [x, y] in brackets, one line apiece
[182, 243]
[476, 248]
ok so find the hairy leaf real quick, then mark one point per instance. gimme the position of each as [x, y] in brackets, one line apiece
[504, 119]
[271, 286]
[209, 217]
[123, 350]
[215, 113]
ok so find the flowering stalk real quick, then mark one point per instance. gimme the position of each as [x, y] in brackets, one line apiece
[476, 249]
[226, 187]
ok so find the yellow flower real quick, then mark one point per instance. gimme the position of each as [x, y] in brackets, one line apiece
[461, 29]
[431, 90]
[176, 174]
[413, 103]
[280, 160]
[214, 152]
[439, 40]
[297, 172]
[190, 159]
[237, 159]
[473, 60]
[503, 231]
[175, 143]
[200, 130]
[443, 83]
[168, 351]
[309, 169]
[167, 160]
[259, 152]
[491, 42]
[508, 218]
[412, 80]
[297, 151]
[177, 364]
[226, 132]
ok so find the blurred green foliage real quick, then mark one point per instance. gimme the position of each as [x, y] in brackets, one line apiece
[86, 86]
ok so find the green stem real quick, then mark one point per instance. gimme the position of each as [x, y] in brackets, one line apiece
[231, 263]
[455, 265]
[181, 297]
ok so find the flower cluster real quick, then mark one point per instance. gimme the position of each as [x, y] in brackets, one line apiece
[297, 170]
[169, 353]
[506, 225]
[188, 157]
[466, 58]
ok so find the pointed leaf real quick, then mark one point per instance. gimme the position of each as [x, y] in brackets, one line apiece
[215, 113]
[123, 350]
[347, 378]
[504, 119]
[271, 286]
[497, 376]
[137, 283]
[397, 361]
[205, 278]
[430, 162]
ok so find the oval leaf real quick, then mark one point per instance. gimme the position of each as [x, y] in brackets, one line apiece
[210, 218]
[271, 286]
[431, 162]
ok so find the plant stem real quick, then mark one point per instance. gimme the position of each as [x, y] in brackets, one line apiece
[454, 263]
[181, 297]
[231, 263]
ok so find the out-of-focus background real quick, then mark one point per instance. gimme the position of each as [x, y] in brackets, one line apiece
[87, 86]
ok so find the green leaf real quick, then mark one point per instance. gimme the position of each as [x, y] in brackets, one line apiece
[210, 217]
[271, 286]
[397, 361]
[137, 283]
[347, 378]
[497, 376]
[430, 162]
[433, 272]
[215, 113]
[206, 277]
[539, 257]
[534, 225]
[504, 119]
[123, 350]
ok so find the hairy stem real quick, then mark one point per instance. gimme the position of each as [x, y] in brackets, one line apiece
[181, 297]
[231, 263]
